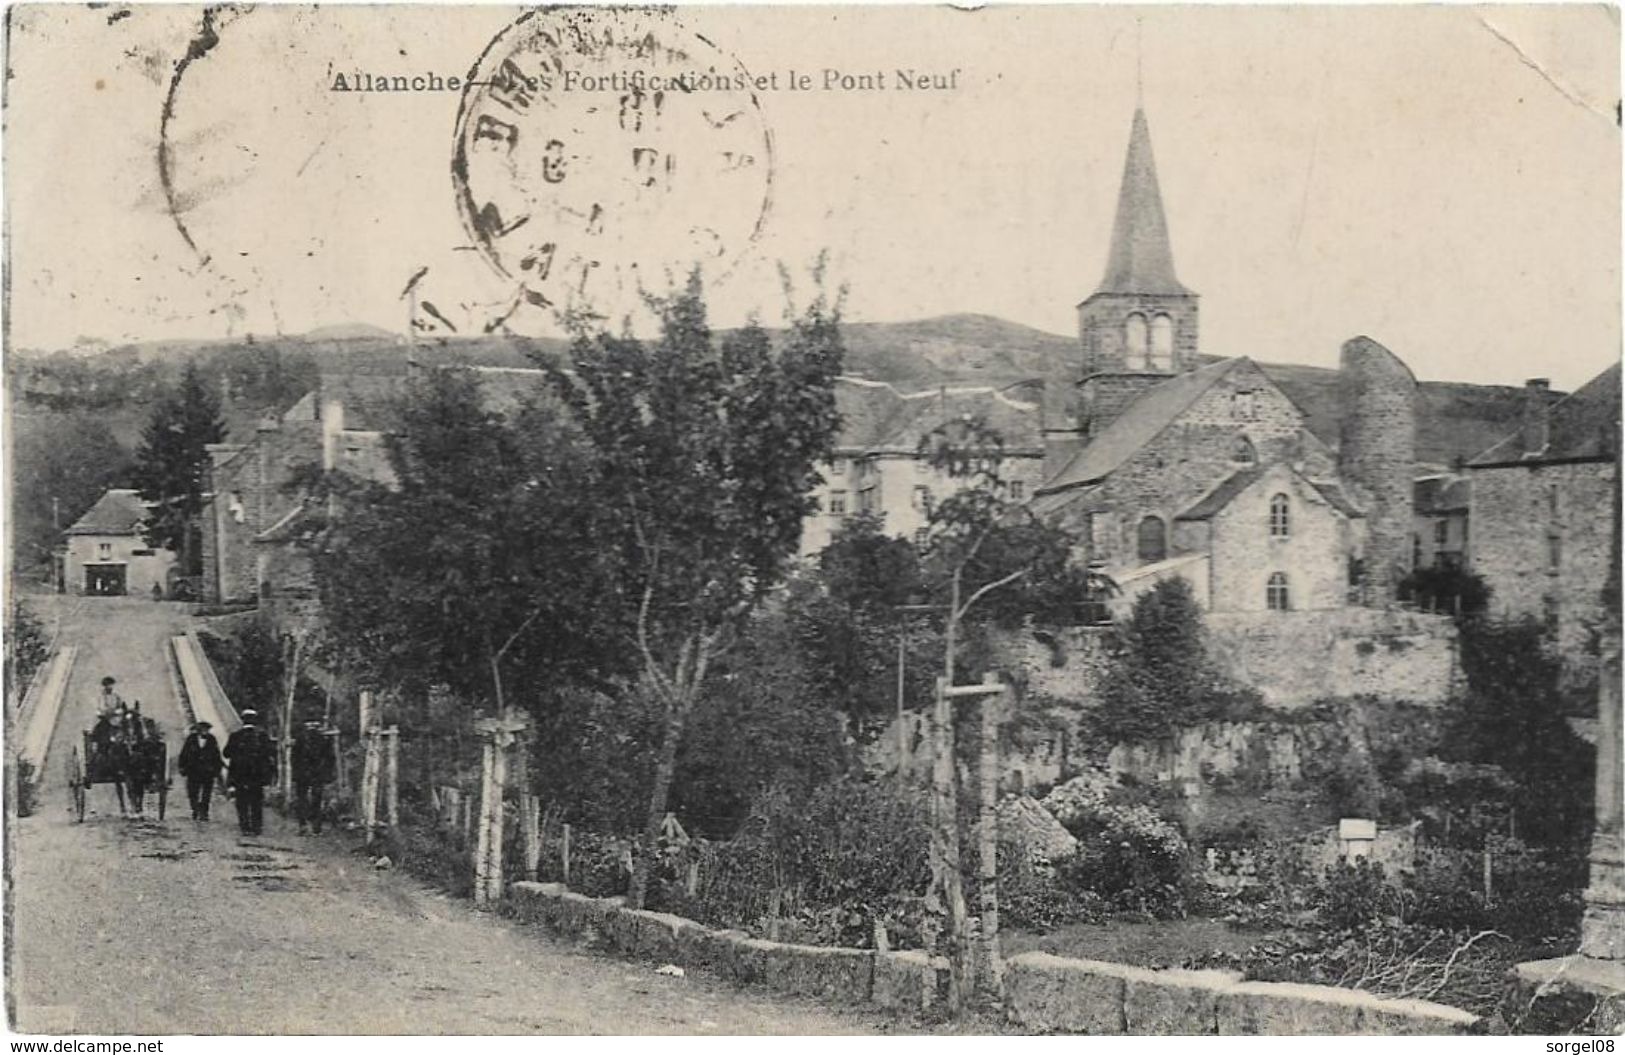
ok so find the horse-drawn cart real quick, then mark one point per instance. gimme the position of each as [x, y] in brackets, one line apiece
[132, 759]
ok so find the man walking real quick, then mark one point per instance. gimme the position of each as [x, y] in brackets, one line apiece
[253, 765]
[313, 770]
[200, 763]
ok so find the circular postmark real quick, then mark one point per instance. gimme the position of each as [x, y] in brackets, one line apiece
[600, 151]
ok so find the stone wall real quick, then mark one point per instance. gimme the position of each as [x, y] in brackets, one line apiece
[1294, 659]
[1048, 993]
[1313, 554]
[1045, 993]
[1540, 539]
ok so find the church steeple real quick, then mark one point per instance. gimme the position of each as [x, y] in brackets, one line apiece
[1142, 319]
[1141, 259]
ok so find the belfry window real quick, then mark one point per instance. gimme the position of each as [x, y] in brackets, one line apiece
[1280, 517]
[1162, 343]
[1152, 540]
[1276, 593]
[1134, 342]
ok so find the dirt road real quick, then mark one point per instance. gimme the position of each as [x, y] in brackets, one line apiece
[137, 926]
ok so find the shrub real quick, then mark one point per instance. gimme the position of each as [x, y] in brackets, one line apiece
[1038, 899]
[1354, 895]
[27, 788]
[27, 646]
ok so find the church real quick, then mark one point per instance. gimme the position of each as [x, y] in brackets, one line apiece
[1166, 462]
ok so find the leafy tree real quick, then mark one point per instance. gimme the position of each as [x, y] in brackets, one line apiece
[170, 465]
[1161, 677]
[63, 464]
[705, 453]
[1447, 589]
[477, 568]
[1511, 717]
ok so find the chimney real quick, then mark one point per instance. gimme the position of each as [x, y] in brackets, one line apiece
[1537, 415]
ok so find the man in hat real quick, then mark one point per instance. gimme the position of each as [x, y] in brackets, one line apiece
[313, 770]
[110, 700]
[252, 759]
[200, 763]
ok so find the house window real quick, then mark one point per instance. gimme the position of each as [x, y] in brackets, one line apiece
[104, 551]
[921, 537]
[1554, 551]
[1134, 342]
[1152, 540]
[837, 467]
[1280, 517]
[837, 504]
[1276, 594]
[1244, 406]
[1441, 533]
[922, 497]
[1017, 490]
[1162, 343]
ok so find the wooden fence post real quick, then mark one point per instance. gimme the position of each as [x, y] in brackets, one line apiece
[499, 735]
[392, 776]
[564, 853]
[369, 768]
[992, 979]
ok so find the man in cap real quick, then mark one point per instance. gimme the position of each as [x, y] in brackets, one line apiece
[252, 759]
[200, 763]
[313, 770]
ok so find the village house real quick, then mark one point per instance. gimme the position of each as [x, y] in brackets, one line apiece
[1440, 536]
[105, 553]
[1542, 514]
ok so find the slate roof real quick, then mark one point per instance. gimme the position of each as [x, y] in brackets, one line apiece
[1222, 495]
[1584, 427]
[1137, 424]
[1434, 495]
[876, 416]
[117, 512]
[1141, 259]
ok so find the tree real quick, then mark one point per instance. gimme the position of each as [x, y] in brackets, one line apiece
[705, 451]
[171, 462]
[478, 565]
[63, 465]
[980, 545]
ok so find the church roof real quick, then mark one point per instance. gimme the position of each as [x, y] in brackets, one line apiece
[1584, 426]
[1141, 259]
[1138, 424]
[117, 512]
[1222, 495]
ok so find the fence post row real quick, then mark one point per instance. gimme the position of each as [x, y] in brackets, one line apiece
[499, 734]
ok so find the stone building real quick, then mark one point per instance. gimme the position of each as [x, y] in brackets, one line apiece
[1440, 530]
[106, 555]
[1542, 513]
[1166, 462]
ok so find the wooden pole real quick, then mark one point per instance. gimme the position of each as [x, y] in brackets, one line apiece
[949, 879]
[987, 846]
[392, 776]
[564, 853]
[482, 850]
[902, 731]
[369, 785]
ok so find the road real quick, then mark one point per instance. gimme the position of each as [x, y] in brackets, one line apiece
[138, 926]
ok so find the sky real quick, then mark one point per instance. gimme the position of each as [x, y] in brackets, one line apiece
[1445, 180]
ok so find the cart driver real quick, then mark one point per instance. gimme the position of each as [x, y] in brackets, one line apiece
[110, 700]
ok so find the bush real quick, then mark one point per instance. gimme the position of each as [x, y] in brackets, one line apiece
[834, 864]
[1038, 899]
[27, 788]
[1354, 895]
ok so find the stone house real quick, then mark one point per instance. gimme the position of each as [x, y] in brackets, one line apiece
[1542, 513]
[105, 553]
[1440, 534]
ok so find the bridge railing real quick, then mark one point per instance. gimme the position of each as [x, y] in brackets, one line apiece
[201, 692]
[42, 706]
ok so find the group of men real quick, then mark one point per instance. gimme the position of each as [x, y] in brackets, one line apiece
[249, 760]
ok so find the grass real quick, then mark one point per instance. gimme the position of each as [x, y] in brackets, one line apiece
[1158, 943]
